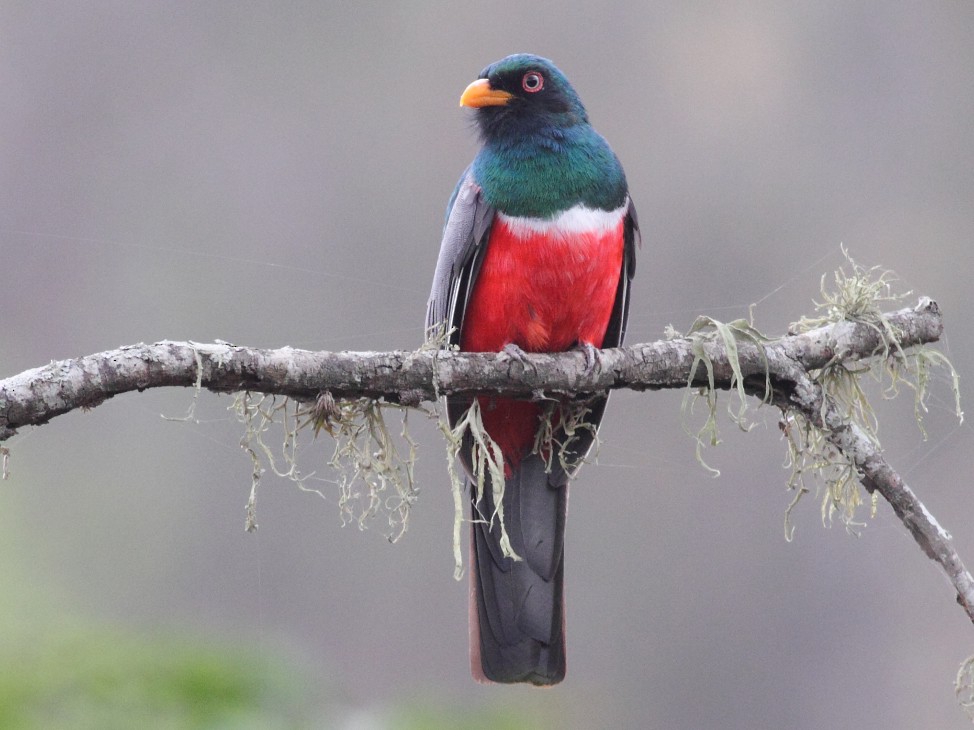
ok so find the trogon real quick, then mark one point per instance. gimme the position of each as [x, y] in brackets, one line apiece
[537, 255]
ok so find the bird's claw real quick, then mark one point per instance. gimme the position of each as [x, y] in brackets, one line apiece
[513, 353]
[593, 358]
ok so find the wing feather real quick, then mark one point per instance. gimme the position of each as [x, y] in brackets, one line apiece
[465, 236]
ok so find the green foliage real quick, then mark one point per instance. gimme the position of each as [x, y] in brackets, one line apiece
[426, 717]
[88, 678]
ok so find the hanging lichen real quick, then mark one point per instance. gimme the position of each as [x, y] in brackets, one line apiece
[373, 474]
[857, 296]
[487, 462]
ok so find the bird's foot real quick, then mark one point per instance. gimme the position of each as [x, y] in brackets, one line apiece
[513, 353]
[593, 357]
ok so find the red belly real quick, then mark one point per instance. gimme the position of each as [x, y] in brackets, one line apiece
[544, 292]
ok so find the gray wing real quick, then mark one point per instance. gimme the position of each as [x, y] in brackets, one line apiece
[616, 331]
[465, 234]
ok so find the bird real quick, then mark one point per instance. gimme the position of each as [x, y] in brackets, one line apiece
[537, 255]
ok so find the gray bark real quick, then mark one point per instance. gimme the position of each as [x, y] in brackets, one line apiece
[34, 397]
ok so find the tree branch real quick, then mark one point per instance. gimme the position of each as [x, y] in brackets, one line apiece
[35, 396]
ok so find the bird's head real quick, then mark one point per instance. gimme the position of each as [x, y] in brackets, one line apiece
[523, 94]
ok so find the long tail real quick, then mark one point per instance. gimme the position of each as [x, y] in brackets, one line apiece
[517, 614]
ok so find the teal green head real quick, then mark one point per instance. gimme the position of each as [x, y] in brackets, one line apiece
[540, 154]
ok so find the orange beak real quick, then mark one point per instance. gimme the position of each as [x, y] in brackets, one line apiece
[480, 94]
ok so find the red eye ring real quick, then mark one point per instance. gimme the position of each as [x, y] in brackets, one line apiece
[532, 82]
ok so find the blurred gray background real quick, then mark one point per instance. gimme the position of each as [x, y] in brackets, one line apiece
[276, 174]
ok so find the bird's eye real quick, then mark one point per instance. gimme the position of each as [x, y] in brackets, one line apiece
[532, 82]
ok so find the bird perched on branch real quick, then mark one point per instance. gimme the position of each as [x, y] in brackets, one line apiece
[537, 255]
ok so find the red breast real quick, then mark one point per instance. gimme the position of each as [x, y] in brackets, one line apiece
[543, 287]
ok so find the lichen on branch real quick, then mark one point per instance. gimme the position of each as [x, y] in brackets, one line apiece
[373, 468]
[814, 374]
[887, 355]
